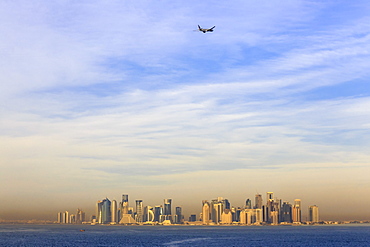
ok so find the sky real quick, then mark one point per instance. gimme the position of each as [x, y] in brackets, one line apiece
[104, 98]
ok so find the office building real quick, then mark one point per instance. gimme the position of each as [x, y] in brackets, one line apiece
[158, 213]
[313, 213]
[179, 218]
[139, 211]
[114, 212]
[286, 212]
[206, 212]
[167, 206]
[296, 211]
[258, 201]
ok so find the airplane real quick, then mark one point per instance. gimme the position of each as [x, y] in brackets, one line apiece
[204, 30]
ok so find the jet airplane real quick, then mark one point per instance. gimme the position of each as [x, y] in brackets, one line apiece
[204, 30]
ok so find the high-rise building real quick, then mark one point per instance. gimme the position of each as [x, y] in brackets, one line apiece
[296, 212]
[72, 219]
[269, 206]
[80, 216]
[275, 217]
[139, 211]
[126, 212]
[206, 212]
[248, 204]
[66, 217]
[178, 216]
[106, 213]
[124, 204]
[99, 205]
[225, 203]
[60, 218]
[192, 218]
[226, 217]
[216, 210]
[313, 212]
[158, 213]
[167, 205]
[258, 201]
[114, 212]
[148, 214]
[259, 217]
[286, 212]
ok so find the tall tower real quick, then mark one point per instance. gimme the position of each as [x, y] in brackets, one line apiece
[248, 204]
[80, 216]
[114, 212]
[258, 201]
[286, 212]
[158, 213]
[148, 214]
[269, 206]
[99, 214]
[313, 213]
[297, 211]
[124, 204]
[178, 215]
[106, 211]
[217, 209]
[167, 209]
[206, 212]
[139, 211]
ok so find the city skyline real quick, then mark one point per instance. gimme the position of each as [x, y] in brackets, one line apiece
[98, 97]
[218, 211]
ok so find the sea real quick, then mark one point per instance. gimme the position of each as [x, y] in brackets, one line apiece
[100, 235]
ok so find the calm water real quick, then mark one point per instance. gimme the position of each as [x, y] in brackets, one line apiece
[70, 235]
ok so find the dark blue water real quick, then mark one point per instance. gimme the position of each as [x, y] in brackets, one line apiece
[70, 235]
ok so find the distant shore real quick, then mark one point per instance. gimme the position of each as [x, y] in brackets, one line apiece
[49, 222]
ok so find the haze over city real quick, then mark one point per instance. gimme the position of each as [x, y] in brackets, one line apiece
[101, 98]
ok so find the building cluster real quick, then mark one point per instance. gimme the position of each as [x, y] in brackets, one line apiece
[67, 218]
[215, 212]
[274, 212]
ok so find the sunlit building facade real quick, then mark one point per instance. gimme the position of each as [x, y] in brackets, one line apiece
[313, 214]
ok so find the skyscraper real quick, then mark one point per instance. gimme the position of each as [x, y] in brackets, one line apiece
[148, 214]
[126, 216]
[80, 216]
[258, 201]
[248, 204]
[139, 211]
[178, 216]
[296, 212]
[106, 214]
[99, 215]
[158, 213]
[286, 212]
[114, 212]
[313, 212]
[206, 213]
[217, 208]
[167, 209]
[124, 204]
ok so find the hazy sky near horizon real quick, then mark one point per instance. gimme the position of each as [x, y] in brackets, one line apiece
[100, 98]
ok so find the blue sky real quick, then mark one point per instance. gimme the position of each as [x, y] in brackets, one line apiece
[104, 98]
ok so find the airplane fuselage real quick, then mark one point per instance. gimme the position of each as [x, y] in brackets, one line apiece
[204, 30]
